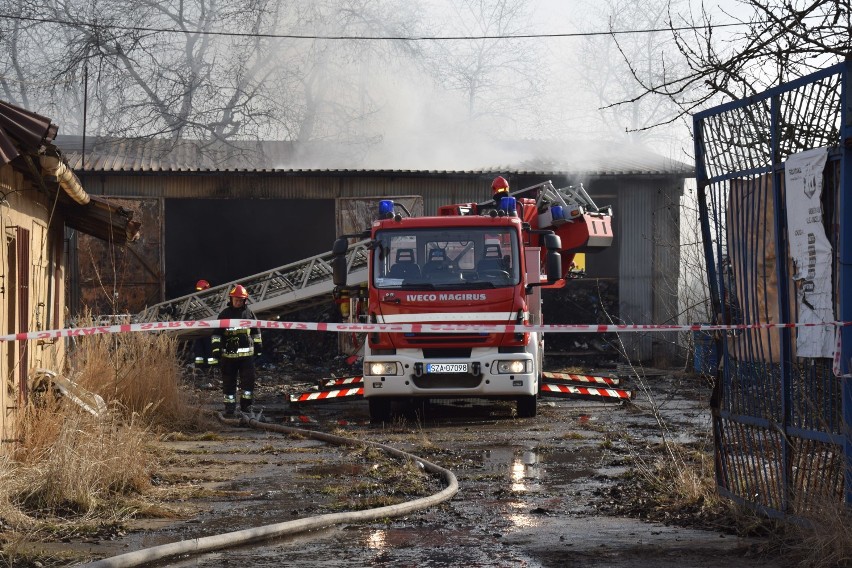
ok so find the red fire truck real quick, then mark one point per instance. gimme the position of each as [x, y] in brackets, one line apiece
[473, 263]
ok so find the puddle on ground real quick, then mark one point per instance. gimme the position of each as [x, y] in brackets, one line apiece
[529, 470]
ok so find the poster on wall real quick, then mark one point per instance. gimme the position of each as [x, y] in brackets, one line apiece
[811, 252]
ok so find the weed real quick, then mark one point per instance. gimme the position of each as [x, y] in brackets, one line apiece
[821, 540]
[71, 471]
[139, 373]
[84, 463]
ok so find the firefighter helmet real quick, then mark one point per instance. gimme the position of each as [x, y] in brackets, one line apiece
[238, 291]
[202, 285]
[499, 184]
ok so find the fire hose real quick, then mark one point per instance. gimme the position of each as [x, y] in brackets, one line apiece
[257, 534]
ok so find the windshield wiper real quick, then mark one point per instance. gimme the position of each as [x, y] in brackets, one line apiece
[466, 285]
[416, 286]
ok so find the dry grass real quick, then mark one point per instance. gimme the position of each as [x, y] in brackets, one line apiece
[682, 474]
[72, 472]
[674, 482]
[140, 373]
[75, 464]
[825, 540]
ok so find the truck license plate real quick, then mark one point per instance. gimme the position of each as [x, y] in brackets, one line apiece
[446, 368]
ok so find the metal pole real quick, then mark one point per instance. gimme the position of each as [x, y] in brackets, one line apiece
[845, 268]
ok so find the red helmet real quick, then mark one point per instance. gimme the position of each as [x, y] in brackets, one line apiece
[238, 291]
[499, 184]
[202, 285]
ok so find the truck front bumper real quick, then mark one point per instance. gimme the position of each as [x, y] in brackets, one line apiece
[482, 378]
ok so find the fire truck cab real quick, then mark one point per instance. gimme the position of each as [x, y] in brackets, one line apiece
[471, 264]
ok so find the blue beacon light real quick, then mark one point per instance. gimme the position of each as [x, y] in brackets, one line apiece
[385, 208]
[509, 205]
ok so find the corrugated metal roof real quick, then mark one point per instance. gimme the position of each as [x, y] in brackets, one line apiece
[184, 156]
[22, 131]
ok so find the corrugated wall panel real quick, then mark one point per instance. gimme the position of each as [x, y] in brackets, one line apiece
[635, 236]
[666, 268]
[435, 192]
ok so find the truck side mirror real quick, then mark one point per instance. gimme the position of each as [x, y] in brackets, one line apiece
[340, 246]
[338, 261]
[554, 265]
[552, 242]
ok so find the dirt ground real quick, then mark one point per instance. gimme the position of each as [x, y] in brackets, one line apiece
[547, 491]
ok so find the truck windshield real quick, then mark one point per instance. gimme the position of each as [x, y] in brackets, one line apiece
[472, 257]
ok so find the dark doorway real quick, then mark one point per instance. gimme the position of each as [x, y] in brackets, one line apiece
[224, 240]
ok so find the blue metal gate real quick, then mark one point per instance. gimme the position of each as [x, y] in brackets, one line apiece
[781, 421]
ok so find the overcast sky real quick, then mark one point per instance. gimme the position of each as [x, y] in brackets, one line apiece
[426, 128]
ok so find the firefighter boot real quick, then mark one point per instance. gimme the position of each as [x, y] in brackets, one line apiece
[245, 402]
[230, 406]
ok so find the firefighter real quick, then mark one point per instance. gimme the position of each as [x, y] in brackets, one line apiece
[499, 190]
[237, 347]
[201, 347]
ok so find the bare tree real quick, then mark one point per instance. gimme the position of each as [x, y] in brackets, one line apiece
[500, 78]
[202, 69]
[19, 79]
[613, 68]
[332, 78]
[181, 84]
[777, 42]
[227, 71]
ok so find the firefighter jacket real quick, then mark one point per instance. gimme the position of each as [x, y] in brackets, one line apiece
[236, 342]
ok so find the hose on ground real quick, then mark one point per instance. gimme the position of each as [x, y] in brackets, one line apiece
[276, 530]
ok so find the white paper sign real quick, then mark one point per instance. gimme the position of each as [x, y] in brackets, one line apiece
[810, 250]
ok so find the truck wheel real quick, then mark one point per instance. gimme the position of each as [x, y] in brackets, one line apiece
[380, 409]
[527, 406]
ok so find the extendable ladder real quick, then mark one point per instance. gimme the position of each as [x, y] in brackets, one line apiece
[290, 288]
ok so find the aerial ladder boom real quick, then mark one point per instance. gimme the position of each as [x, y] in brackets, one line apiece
[279, 291]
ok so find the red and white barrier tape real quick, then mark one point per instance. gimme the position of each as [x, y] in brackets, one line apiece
[394, 328]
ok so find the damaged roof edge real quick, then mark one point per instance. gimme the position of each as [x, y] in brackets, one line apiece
[100, 218]
[84, 212]
[26, 139]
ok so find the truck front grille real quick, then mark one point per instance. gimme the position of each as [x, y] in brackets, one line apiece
[447, 381]
[439, 338]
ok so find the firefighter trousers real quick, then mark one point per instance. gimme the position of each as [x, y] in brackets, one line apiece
[244, 367]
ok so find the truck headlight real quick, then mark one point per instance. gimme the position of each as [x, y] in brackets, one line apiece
[379, 368]
[514, 367]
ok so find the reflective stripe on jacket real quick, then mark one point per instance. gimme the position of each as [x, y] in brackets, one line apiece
[237, 342]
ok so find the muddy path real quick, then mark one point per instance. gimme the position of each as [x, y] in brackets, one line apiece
[532, 492]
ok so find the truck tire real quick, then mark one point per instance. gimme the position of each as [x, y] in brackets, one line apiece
[380, 409]
[527, 406]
